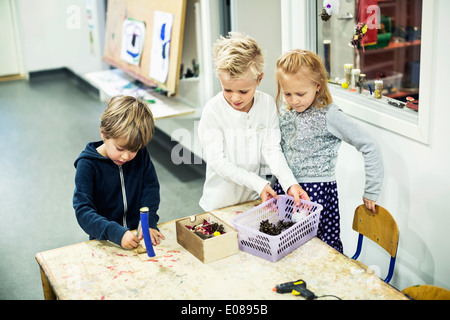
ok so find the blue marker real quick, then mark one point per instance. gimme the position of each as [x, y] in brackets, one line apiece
[163, 38]
[146, 232]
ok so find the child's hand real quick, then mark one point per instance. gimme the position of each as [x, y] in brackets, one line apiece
[298, 193]
[155, 235]
[129, 240]
[268, 193]
[369, 205]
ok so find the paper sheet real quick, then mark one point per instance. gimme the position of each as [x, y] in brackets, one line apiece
[133, 35]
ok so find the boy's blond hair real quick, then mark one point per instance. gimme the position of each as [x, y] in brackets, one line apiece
[128, 118]
[237, 54]
[303, 63]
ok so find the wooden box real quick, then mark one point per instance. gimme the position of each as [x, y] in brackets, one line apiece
[211, 249]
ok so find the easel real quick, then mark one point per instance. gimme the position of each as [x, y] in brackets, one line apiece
[129, 79]
[144, 10]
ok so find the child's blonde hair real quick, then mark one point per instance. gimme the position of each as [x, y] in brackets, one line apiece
[237, 54]
[129, 118]
[303, 63]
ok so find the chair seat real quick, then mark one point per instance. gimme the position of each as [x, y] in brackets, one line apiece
[427, 292]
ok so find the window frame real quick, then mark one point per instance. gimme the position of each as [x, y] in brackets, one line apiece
[299, 30]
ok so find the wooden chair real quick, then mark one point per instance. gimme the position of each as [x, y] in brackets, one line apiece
[381, 228]
[426, 292]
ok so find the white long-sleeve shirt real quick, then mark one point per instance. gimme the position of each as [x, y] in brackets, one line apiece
[235, 146]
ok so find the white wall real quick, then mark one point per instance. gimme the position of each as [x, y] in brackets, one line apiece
[55, 34]
[10, 55]
[261, 19]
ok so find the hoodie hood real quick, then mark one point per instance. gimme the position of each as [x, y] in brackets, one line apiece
[90, 152]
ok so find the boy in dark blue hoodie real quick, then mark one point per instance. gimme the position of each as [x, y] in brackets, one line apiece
[115, 177]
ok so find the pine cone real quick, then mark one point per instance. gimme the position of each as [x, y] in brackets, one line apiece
[325, 16]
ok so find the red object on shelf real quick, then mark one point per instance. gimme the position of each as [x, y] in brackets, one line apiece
[412, 103]
[363, 16]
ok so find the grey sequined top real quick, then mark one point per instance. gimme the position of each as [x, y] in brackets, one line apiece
[311, 139]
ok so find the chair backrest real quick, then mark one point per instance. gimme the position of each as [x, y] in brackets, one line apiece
[379, 227]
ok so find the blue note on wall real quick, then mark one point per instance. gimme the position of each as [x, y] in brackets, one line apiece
[159, 58]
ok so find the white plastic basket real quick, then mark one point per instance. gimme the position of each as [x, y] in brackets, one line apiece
[273, 248]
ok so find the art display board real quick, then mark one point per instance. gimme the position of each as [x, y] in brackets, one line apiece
[144, 38]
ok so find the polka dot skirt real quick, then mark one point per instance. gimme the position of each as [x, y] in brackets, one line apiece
[325, 194]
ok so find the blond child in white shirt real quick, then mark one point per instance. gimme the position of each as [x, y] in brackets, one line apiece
[239, 131]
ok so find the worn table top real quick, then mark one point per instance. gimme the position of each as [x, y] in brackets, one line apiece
[102, 270]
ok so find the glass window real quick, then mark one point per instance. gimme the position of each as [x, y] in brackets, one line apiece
[372, 48]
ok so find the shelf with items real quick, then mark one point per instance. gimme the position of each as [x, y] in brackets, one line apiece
[400, 48]
[397, 57]
[393, 44]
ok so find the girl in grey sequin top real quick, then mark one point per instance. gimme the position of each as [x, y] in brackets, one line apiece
[312, 128]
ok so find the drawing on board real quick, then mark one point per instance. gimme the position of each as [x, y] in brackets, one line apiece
[133, 35]
[159, 58]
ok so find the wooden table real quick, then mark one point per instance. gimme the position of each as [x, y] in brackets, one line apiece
[101, 270]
